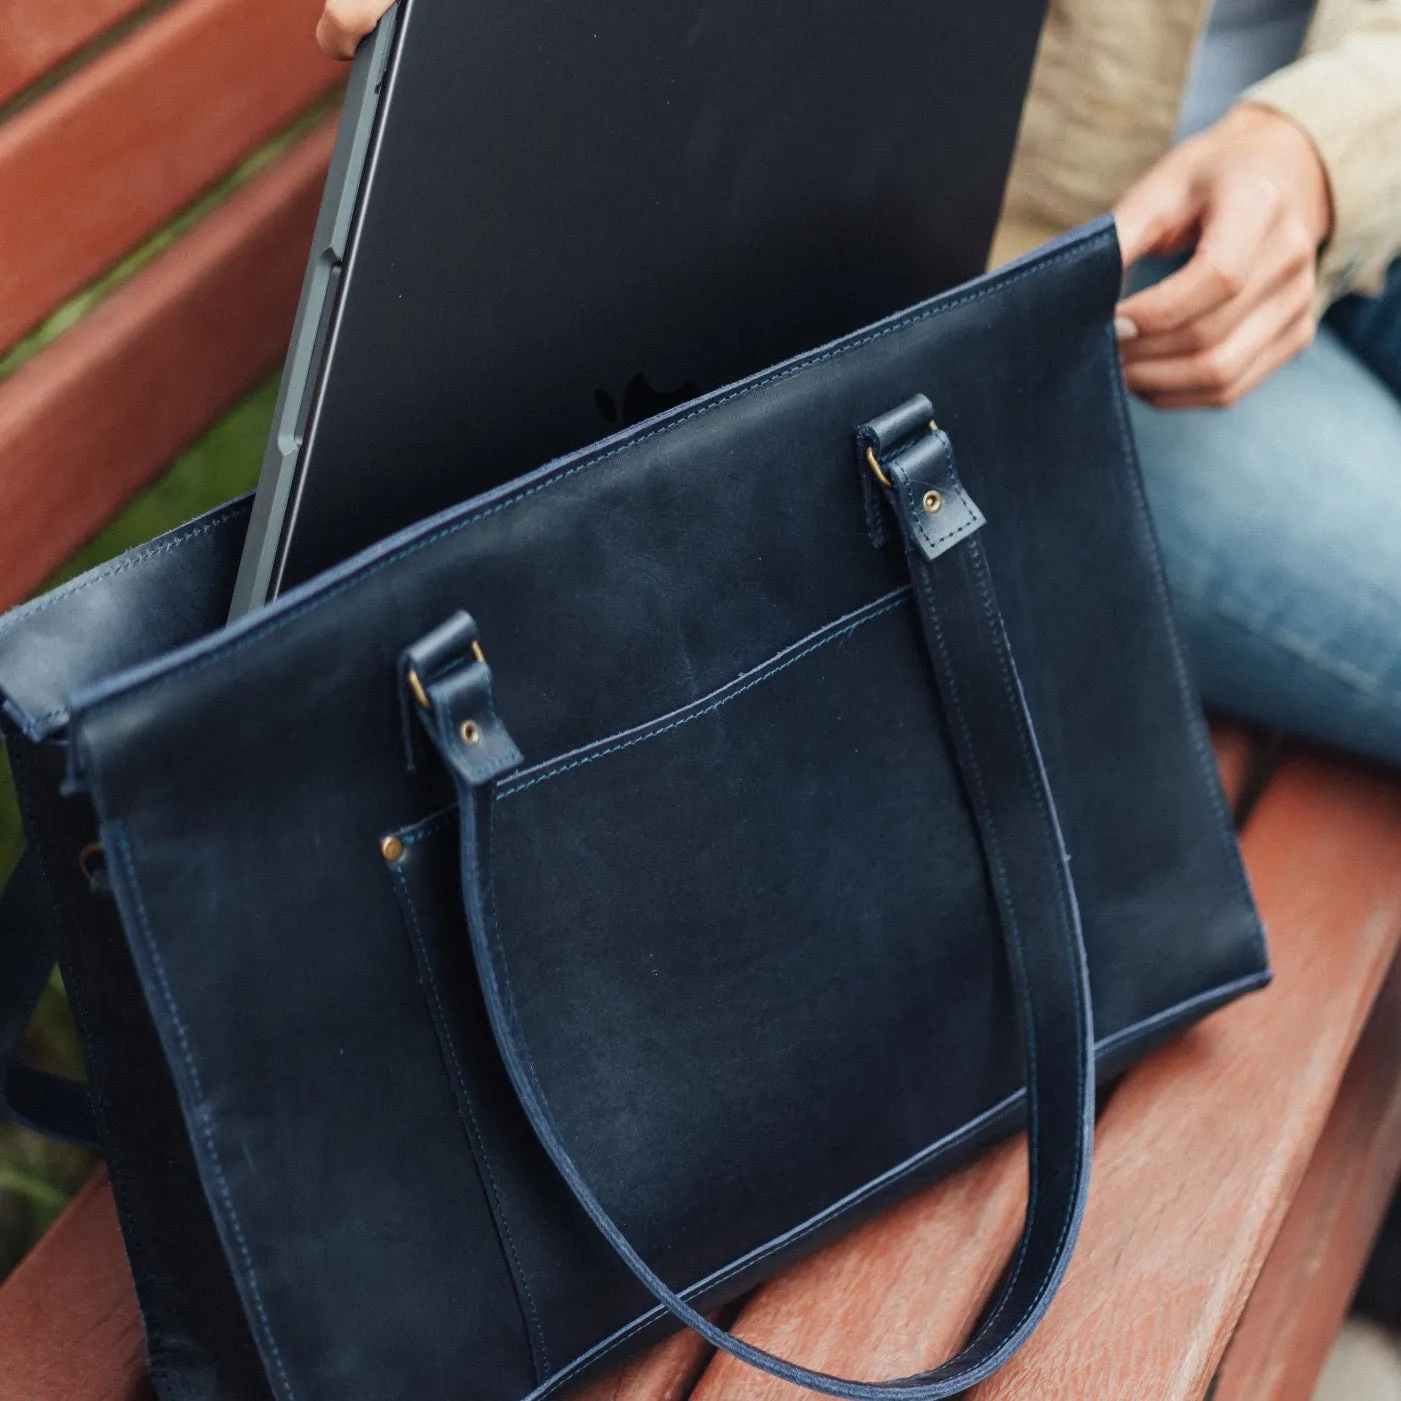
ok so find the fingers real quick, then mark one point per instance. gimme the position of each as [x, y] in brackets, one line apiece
[1283, 267]
[1237, 220]
[1277, 330]
[1157, 214]
[344, 23]
[1252, 190]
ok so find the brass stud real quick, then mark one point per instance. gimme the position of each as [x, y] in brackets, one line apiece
[392, 849]
[88, 855]
[933, 502]
[470, 731]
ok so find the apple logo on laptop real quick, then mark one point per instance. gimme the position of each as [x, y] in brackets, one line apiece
[641, 401]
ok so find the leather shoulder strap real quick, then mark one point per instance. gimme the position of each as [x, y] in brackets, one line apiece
[49, 1104]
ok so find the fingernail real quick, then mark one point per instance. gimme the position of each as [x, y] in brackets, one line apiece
[1124, 329]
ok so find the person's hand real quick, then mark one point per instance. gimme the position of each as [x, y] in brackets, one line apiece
[344, 23]
[1253, 194]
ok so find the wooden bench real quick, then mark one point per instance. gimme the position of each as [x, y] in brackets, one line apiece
[1241, 1171]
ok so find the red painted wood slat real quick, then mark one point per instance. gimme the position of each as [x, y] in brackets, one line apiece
[69, 1327]
[114, 152]
[1203, 1146]
[37, 35]
[1299, 1302]
[92, 418]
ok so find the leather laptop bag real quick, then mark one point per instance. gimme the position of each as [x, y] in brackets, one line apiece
[533, 933]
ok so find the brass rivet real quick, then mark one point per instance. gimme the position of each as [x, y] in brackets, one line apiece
[933, 502]
[470, 731]
[392, 848]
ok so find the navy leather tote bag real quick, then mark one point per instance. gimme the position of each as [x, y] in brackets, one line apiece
[533, 933]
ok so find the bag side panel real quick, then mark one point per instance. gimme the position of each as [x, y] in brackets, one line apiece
[198, 1342]
[154, 598]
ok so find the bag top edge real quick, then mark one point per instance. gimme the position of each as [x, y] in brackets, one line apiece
[1085, 241]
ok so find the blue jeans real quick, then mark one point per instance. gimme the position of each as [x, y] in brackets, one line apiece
[1280, 523]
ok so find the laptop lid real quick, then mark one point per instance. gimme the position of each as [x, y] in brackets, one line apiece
[546, 221]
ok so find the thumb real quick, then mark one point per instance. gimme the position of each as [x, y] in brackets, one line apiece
[1157, 212]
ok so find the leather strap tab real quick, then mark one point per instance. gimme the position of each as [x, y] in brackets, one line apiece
[448, 669]
[935, 512]
[887, 432]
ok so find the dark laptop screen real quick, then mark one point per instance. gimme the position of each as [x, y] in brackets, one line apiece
[577, 214]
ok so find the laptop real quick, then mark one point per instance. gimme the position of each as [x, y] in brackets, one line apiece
[544, 222]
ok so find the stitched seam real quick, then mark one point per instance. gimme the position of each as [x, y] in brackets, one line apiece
[125, 562]
[430, 824]
[202, 1112]
[1187, 695]
[994, 851]
[724, 697]
[318, 600]
[474, 1133]
[116, 1164]
[1034, 773]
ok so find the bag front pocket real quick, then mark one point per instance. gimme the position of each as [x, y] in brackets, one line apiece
[744, 1002]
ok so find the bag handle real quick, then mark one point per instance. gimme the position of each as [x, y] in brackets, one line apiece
[48, 1104]
[1027, 867]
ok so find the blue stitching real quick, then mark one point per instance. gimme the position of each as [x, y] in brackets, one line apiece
[276, 623]
[994, 851]
[766, 672]
[475, 1134]
[1035, 773]
[201, 1108]
[427, 826]
[1187, 693]
[913, 513]
[127, 561]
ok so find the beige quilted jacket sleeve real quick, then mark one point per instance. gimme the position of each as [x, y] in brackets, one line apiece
[1346, 93]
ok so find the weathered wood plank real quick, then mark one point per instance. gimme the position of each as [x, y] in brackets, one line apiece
[1203, 1146]
[896, 1296]
[69, 1326]
[667, 1372]
[112, 153]
[37, 35]
[89, 420]
[1302, 1295]
[1236, 749]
